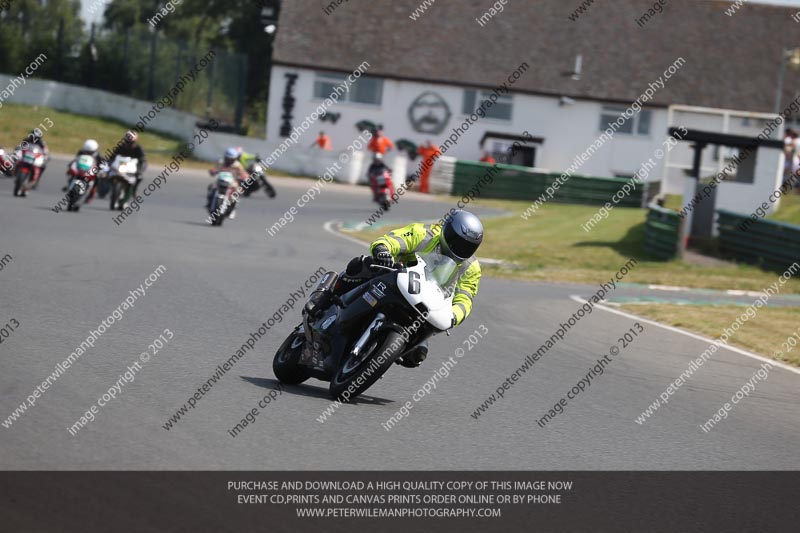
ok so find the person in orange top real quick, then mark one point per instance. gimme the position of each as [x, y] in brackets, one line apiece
[487, 158]
[430, 153]
[323, 141]
[380, 144]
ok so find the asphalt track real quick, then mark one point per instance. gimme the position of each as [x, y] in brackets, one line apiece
[71, 270]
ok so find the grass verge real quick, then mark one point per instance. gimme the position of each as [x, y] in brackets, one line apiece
[552, 246]
[789, 210]
[69, 131]
[764, 334]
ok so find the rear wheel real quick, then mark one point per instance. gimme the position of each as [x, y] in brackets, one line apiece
[285, 364]
[358, 373]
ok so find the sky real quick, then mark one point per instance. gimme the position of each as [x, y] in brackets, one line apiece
[87, 4]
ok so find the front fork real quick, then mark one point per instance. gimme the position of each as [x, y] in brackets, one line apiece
[362, 341]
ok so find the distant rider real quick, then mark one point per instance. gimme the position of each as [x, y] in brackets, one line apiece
[458, 238]
[130, 147]
[377, 168]
[35, 138]
[91, 148]
[229, 163]
[249, 162]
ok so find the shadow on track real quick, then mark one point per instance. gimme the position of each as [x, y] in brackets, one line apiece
[311, 391]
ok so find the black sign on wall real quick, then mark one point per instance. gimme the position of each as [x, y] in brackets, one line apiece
[288, 104]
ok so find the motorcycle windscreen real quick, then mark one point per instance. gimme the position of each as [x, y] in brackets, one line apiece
[441, 269]
[85, 163]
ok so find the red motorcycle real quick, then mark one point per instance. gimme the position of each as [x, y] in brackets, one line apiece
[28, 169]
[6, 163]
[82, 173]
[380, 181]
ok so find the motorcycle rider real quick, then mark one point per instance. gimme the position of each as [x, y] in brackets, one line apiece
[35, 138]
[458, 236]
[131, 148]
[229, 163]
[91, 148]
[377, 168]
[249, 161]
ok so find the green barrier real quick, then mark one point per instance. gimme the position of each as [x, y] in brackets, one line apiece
[662, 232]
[767, 243]
[523, 183]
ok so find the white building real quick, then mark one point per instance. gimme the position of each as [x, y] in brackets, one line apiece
[427, 76]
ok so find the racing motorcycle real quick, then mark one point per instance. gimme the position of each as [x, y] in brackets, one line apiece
[259, 179]
[82, 174]
[28, 170]
[6, 163]
[222, 202]
[122, 176]
[352, 340]
[380, 181]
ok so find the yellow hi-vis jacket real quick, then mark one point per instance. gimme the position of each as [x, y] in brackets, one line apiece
[422, 238]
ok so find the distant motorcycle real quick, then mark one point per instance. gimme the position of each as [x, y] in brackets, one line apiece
[122, 176]
[28, 170]
[380, 181]
[82, 174]
[259, 179]
[222, 203]
[6, 163]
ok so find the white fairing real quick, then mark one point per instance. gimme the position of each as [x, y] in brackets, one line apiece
[125, 167]
[428, 282]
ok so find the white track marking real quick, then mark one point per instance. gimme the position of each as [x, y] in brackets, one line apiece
[329, 227]
[693, 335]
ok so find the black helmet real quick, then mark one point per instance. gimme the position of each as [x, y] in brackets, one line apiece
[462, 233]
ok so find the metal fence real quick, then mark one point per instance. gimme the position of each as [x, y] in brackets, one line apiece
[145, 65]
[523, 183]
[662, 232]
[767, 243]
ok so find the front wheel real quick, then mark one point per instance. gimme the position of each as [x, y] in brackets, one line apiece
[286, 363]
[269, 189]
[19, 181]
[358, 373]
[113, 193]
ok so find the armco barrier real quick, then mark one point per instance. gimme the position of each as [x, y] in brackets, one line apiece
[523, 183]
[773, 245]
[662, 231]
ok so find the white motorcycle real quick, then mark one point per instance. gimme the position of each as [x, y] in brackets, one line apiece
[353, 340]
[122, 175]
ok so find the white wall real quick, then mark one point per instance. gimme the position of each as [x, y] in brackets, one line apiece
[746, 197]
[568, 130]
[97, 103]
[300, 159]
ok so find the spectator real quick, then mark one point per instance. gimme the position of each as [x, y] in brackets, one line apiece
[379, 143]
[487, 158]
[430, 153]
[791, 147]
[323, 142]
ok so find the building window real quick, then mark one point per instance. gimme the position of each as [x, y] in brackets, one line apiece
[638, 123]
[365, 90]
[500, 110]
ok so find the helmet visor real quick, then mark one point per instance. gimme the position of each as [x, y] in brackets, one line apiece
[458, 245]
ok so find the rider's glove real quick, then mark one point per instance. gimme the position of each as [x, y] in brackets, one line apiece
[382, 256]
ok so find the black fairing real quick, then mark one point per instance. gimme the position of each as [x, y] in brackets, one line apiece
[331, 344]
